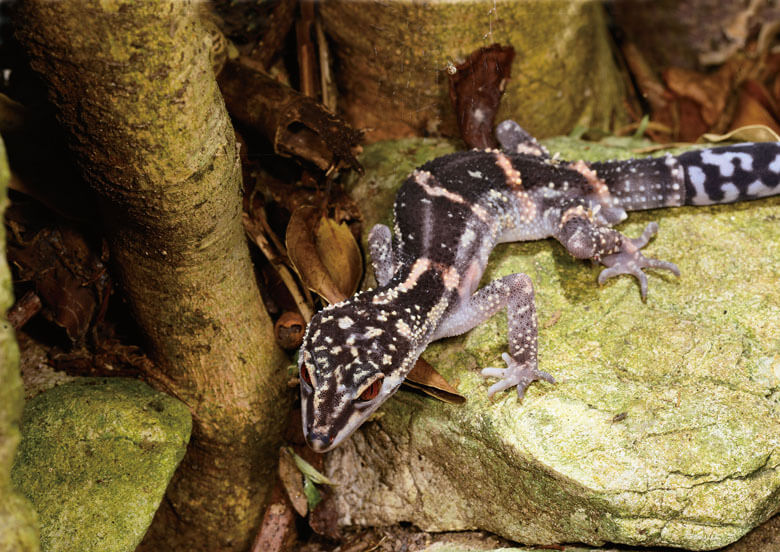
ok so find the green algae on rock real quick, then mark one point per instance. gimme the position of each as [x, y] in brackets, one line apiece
[95, 459]
[663, 428]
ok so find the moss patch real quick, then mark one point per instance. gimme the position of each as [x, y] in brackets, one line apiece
[95, 459]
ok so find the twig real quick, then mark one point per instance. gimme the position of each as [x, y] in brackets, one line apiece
[259, 238]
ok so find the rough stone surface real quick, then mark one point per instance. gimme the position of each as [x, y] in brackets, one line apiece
[663, 428]
[95, 459]
[18, 524]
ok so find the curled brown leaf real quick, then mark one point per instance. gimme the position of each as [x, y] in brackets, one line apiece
[324, 253]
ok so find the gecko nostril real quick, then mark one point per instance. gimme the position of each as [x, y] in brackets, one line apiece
[319, 442]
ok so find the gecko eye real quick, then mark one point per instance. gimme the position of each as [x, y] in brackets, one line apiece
[305, 376]
[371, 391]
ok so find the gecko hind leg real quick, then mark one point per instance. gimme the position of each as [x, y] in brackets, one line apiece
[516, 292]
[380, 246]
[629, 260]
[515, 139]
[585, 239]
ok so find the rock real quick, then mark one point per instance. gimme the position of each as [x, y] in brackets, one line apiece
[663, 428]
[95, 459]
[18, 523]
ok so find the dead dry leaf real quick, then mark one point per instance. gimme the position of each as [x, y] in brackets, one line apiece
[750, 133]
[425, 378]
[324, 253]
[66, 270]
[476, 87]
[755, 107]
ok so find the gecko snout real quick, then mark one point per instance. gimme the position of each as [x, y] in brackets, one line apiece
[319, 442]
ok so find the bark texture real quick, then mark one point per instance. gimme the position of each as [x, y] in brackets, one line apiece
[18, 529]
[393, 59]
[134, 87]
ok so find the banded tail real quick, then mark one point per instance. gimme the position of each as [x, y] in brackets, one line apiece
[702, 177]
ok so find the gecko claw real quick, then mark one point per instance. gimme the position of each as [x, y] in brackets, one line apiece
[515, 374]
[630, 260]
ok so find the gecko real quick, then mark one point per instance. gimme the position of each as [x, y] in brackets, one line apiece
[448, 216]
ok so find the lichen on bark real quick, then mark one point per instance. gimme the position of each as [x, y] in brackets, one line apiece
[393, 59]
[134, 89]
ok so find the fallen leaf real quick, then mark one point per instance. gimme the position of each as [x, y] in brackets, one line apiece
[66, 270]
[324, 253]
[476, 87]
[324, 518]
[709, 91]
[340, 254]
[755, 107]
[308, 470]
[313, 496]
[750, 133]
[292, 481]
[425, 378]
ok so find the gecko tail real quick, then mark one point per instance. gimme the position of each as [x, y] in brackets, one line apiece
[644, 183]
[731, 173]
[709, 176]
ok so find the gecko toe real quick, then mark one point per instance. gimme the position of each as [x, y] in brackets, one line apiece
[650, 230]
[492, 372]
[663, 265]
[630, 260]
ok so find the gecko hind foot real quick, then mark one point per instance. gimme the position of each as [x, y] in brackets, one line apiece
[515, 374]
[631, 261]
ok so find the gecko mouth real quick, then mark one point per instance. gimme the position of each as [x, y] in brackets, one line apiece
[321, 442]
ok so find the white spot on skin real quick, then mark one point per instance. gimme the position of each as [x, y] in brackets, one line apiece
[481, 213]
[466, 238]
[373, 332]
[475, 174]
[774, 166]
[730, 192]
[697, 178]
[345, 322]
[759, 189]
[403, 329]
[725, 161]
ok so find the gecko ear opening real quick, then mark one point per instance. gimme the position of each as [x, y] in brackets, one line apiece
[372, 391]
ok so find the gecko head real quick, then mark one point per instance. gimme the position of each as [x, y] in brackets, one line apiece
[349, 365]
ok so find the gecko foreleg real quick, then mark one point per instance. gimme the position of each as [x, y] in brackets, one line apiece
[380, 247]
[516, 292]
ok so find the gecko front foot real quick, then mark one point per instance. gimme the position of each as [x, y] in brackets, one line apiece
[515, 374]
[631, 261]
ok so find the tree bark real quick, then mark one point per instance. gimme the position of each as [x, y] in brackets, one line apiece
[394, 58]
[135, 90]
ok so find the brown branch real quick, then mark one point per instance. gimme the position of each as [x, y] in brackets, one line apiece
[296, 125]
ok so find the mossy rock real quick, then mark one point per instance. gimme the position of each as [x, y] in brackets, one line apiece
[95, 459]
[18, 523]
[663, 428]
